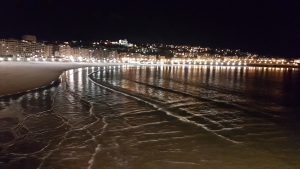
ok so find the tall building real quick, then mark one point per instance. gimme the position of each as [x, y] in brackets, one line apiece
[13, 48]
[64, 50]
[82, 52]
[9, 47]
[28, 47]
[102, 54]
[48, 51]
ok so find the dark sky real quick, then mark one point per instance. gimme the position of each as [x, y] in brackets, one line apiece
[270, 27]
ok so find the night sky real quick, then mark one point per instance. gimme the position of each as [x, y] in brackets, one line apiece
[270, 27]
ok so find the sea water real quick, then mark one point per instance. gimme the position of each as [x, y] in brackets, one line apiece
[152, 117]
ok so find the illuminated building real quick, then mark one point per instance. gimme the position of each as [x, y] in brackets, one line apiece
[18, 48]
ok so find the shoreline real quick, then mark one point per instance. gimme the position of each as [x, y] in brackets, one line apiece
[13, 95]
[18, 78]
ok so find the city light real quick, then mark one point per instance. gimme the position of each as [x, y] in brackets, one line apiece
[181, 55]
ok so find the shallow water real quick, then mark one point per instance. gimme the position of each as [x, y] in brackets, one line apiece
[156, 117]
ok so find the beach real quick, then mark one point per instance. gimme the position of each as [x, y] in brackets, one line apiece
[138, 116]
[18, 77]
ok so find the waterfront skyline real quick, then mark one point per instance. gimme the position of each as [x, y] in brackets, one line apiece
[264, 27]
[149, 84]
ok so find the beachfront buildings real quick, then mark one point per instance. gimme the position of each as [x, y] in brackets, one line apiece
[120, 51]
[28, 47]
[25, 48]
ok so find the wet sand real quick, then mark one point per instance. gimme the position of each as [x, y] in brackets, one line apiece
[18, 77]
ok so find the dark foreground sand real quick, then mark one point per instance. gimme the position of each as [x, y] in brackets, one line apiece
[17, 77]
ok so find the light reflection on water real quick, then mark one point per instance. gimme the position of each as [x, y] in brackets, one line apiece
[156, 117]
